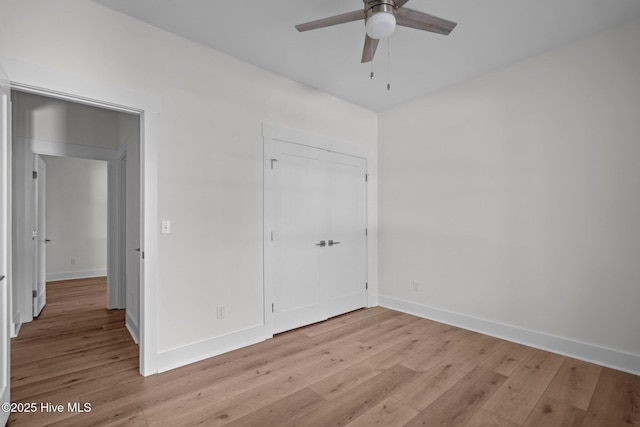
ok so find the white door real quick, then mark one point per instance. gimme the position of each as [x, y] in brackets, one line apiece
[319, 242]
[300, 193]
[344, 270]
[5, 295]
[40, 237]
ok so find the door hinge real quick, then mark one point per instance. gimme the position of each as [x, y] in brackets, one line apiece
[35, 294]
[366, 285]
[366, 231]
[366, 177]
[272, 307]
[35, 175]
[272, 235]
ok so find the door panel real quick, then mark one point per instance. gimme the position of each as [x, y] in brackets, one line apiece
[5, 295]
[345, 268]
[299, 177]
[40, 236]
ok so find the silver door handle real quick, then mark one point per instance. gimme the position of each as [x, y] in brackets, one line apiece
[47, 240]
[331, 243]
[322, 244]
[137, 249]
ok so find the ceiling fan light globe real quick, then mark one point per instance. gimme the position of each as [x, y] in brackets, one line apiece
[380, 25]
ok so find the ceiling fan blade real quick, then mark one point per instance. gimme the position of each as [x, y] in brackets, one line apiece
[369, 50]
[422, 21]
[400, 3]
[333, 20]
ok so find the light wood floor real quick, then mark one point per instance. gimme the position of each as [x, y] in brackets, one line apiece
[370, 367]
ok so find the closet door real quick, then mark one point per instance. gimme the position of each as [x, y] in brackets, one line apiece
[319, 241]
[343, 266]
[300, 200]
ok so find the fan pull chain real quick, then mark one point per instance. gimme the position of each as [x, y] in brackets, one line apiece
[388, 63]
[372, 75]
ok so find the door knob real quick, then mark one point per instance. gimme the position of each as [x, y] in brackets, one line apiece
[331, 243]
[137, 249]
[322, 244]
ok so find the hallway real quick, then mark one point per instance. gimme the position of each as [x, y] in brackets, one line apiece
[74, 349]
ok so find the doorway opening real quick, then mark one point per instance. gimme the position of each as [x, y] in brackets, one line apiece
[82, 141]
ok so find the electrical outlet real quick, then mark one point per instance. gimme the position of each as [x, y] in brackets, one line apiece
[416, 286]
[221, 312]
[165, 226]
[74, 261]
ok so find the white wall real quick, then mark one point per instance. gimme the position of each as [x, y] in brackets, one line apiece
[53, 120]
[514, 198]
[76, 217]
[211, 107]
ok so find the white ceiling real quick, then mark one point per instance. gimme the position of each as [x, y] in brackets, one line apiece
[490, 34]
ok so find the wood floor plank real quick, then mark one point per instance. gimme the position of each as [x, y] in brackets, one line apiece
[135, 420]
[133, 397]
[458, 404]
[72, 385]
[344, 381]
[355, 351]
[520, 393]
[328, 338]
[483, 418]
[289, 407]
[395, 354]
[210, 406]
[386, 328]
[340, 321]
[439, 349]
[388, 413]
[552, 413]
[616, 400]
[423, 389]
[361, 399]
[507, 357]
[477, 350]
[575, 383]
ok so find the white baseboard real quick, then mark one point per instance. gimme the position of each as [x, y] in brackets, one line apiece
[132, 327]
[70, 275]
[588, 352]
[191, 353]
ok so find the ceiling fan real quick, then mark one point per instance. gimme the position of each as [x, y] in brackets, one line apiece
[381, 18]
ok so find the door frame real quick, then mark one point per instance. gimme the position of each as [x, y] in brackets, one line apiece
[5, 244]
[120, 297]
[271, 134]
[53, 83]
[38, 225]
[32, 148]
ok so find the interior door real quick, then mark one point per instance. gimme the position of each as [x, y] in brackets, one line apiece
[344, 263]
[299, 176]
[319, 235]
[40, 237]
[5, 296]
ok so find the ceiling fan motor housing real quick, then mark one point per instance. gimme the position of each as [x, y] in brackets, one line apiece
[380, 19]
